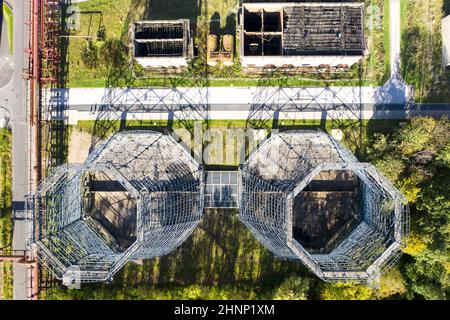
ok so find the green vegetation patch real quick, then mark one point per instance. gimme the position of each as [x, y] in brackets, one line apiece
[416, 158]
[6, 291]
[421, 50]
[8, 16]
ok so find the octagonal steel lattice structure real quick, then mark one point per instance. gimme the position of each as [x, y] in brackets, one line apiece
[161, 177]
[282, 167]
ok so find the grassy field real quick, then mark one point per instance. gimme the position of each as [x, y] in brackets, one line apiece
[94, 61]
[221, 259]
[422, 49]
[386, 39]
[5, 212]
[356, 134]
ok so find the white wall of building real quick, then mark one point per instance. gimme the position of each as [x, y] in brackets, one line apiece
[299, 61]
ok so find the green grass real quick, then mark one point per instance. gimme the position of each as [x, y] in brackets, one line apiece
[421, 50]
[220, 260]
[5, 212]
[356, 134]
[386, 37]
[403, 15]
[244, 82]
[8, 14]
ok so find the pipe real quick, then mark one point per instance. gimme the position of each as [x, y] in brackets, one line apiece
[34, 58]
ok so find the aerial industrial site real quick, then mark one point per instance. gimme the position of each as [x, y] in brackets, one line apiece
[209, 150]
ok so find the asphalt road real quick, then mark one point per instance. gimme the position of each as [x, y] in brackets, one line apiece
[13, 98]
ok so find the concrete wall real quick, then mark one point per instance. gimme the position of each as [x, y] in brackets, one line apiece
[155, 62]
[299, 61]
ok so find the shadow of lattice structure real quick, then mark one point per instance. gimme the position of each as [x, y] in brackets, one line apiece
[163, 188]
[282, 168]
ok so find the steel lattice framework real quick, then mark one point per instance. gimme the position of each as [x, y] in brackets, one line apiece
[282, 167]
[162, 177]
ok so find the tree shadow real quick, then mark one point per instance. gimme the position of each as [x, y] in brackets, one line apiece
[446, 7]
[214, 24]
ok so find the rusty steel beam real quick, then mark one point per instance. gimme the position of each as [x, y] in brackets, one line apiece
[13, 258]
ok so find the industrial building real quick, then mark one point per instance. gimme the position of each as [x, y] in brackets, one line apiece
[162, 43]
[305, 197]
[301, 34]
[139, 195]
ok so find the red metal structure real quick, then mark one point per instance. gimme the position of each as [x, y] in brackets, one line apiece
[44, 65]
[49, 28]
[45, 51]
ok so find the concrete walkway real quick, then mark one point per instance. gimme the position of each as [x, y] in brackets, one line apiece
[225, 102]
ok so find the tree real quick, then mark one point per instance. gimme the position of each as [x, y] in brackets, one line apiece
[379, 146]
[415, 244]
[293, 288]
[391, 284]
[345, 291]
[434, 209]
[391, 167]
[90, 55]
[415, 136]
[429, 275]
[444, 155]
[409, 188]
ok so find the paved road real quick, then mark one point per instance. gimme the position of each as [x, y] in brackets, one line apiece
[13, 97]
[6, 59]
[393, 92]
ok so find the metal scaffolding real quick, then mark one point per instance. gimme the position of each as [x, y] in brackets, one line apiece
[295, 29]
[282, 167]
[162, 178]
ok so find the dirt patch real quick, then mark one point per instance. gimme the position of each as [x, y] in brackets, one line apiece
[79, 145]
